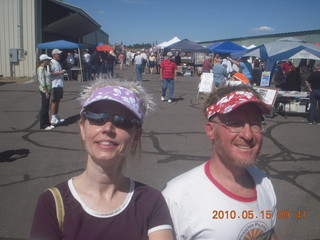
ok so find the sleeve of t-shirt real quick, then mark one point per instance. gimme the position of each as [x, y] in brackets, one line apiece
[159, 218]
[41, 77]
[45, 223]
[180, 221]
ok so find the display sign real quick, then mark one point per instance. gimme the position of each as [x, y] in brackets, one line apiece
[199, 58]
[206, 82]
[265, 79]
[269, 95]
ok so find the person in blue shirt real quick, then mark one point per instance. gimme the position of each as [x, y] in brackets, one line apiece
[244, 66]
[219, 73]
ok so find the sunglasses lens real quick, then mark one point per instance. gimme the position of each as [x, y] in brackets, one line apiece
[122, 122]
[117, 120]
[97, 118]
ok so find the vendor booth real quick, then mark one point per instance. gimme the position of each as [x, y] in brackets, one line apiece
[192, 55]
[282, 49]
[62, 44]
[226, 47]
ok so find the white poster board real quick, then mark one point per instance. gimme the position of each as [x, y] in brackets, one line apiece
[206, 82]
[268, 94]
[265, 79]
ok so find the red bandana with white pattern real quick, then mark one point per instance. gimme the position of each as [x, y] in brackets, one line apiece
[234, 100]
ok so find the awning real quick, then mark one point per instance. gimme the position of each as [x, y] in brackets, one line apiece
[66, 26]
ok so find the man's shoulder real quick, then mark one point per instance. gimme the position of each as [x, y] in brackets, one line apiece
[259, 176]
[185, 180]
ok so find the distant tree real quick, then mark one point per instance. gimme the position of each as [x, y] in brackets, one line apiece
[139, 45]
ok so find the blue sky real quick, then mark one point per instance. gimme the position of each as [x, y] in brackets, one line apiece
[151, 21]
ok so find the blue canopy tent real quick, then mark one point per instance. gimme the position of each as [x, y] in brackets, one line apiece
[62, 44]
[282, 49]
[225, 47]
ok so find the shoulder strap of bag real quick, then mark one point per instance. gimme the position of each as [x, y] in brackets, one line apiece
[59, 206]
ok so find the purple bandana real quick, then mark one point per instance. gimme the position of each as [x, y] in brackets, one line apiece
[118, 94]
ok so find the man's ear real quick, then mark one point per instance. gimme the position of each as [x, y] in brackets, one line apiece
[209, 127]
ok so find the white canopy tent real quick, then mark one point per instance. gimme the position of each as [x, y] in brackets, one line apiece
[168, 43]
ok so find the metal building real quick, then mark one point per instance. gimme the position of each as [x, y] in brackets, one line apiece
[26, 23]
[311, 36]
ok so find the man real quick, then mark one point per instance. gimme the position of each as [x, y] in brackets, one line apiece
[226, 197]
[110, 62]
[313, 84]
[168, 73]
[57, 73]
[138, 63]
[177, 59]
[207, 65]
[87, 65]
[219, 73]
[128, 58]
[244, 67]
[144, 59]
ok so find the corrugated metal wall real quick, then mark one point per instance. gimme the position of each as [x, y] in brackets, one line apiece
[12, 37]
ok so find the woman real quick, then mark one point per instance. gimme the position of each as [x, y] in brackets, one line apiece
[256, 72]
[101, 203]
[45, 90]
[152, 63]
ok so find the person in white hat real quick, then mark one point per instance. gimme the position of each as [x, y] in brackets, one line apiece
[168, 73]
[227, 197]
[45, 91]
[57, 86]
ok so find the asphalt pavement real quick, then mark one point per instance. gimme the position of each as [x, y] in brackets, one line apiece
[173, 142]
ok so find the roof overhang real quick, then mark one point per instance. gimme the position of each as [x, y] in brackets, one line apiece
[74, 25]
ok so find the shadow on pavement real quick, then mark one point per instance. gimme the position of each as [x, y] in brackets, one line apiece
[13, 155]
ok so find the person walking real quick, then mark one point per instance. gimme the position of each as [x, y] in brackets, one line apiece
[56, 73]
[168, 74]
[45, 91]
[152, 63]
[226, 197]
[138, 66]
[102, 203]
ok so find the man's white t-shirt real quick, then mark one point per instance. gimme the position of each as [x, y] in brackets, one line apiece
[57, 81]
[202, 209]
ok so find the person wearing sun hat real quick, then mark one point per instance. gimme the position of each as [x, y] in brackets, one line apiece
[168, 74]
[56, 74]
[45, 91]
[102, 203]
[226, 197]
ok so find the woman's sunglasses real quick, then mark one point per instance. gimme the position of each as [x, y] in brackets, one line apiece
[117, 120]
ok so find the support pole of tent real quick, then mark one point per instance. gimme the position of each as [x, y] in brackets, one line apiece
[80, 62]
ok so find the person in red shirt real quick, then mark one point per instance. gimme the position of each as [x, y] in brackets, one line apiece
[207, 65]
[286, 66]
[168, 73]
